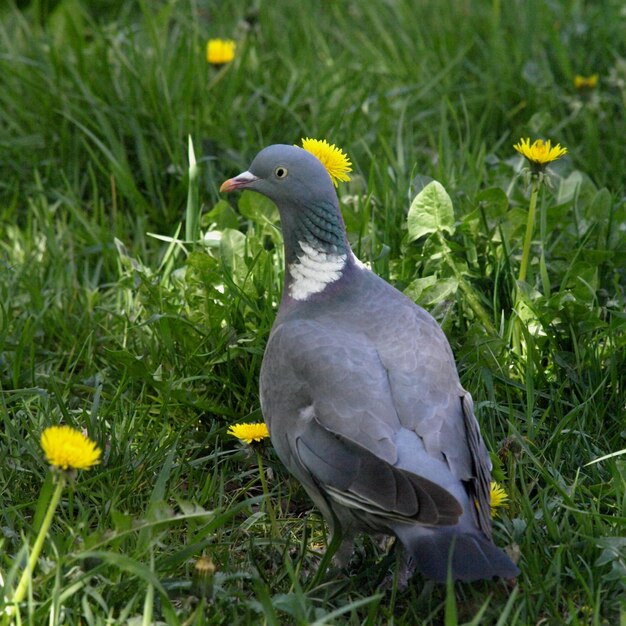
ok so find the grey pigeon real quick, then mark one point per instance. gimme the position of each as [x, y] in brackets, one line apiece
[361, 395]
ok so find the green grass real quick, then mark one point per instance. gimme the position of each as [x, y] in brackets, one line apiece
[154, 345]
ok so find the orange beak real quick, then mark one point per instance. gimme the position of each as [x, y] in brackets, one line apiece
[244, 179]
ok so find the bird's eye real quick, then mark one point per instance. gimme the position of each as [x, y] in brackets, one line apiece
[280, 172]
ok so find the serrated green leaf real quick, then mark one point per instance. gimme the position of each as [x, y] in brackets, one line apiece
[431, 211]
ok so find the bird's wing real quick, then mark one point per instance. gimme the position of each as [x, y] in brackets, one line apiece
[479, 486]
[326, 396]
[430, 401]
[354, 477]
[313, 369]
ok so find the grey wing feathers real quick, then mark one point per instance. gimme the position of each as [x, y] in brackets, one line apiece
[430, 401]
[480, 485]
[356, 478]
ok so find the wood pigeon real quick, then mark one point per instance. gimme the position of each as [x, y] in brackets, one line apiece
[360, 392]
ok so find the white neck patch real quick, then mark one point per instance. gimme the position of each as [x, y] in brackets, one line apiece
[313, 271]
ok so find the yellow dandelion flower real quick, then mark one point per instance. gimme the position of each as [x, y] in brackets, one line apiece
[539, 153]
[220, 51]
[67, 448]
[335, 161]
[586, 83]
[249, 432]
[498, 498]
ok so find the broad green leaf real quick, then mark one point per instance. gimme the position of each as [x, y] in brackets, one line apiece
[431, 211]
[494, 203]
[222, 215]
[600, 206]
[576, 186]
[232, 248]
[416, 287]
[431, 290]
[512, 228]
[257, 208]
[569, 187]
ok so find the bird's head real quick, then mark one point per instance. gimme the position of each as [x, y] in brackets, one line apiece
[288, 175]
[316, 246]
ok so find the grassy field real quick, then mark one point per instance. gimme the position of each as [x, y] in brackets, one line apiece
[135, 302]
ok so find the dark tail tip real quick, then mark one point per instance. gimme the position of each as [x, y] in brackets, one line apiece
[470, 556]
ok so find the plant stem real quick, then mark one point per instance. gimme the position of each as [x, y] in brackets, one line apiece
[266, 496]
[22, 586]
[148, 604]
[530, 226]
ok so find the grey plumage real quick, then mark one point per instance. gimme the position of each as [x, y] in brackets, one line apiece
[360, 391]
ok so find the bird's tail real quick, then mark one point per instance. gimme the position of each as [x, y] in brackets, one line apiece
[470, 555]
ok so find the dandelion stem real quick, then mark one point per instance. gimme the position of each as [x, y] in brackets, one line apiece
[266, 496]
[22, 586]
[530, 226]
